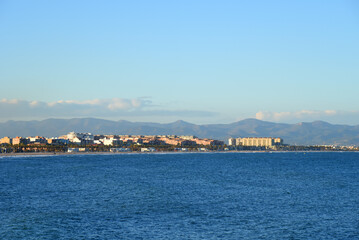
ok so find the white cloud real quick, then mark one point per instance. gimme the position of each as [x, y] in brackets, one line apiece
[120, 108]
[330, 112]
[309, 115]
[17, 109]
[9, 101]
[280, 116]
[113, 104]
[34, 103]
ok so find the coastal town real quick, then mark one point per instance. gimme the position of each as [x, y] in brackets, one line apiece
[86, 142]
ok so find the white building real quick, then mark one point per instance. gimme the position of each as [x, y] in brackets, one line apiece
[232, 141]
[80, 138]
[111, 141]
[77, 150]
[149, 149]
[120, 149]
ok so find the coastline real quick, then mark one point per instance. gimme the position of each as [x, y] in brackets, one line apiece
[164, 152]
[59, 153]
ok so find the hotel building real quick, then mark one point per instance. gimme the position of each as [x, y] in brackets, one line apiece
[255, 141]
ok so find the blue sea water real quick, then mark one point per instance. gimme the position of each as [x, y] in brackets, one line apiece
[181, 196]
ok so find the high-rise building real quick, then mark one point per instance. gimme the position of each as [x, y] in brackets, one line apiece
[255, 141]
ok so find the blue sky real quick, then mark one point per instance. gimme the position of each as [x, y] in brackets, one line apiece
[199, 61]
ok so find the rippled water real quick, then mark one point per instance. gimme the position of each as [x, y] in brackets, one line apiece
[181, 196]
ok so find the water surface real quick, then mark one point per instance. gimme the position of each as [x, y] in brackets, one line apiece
[181, 196]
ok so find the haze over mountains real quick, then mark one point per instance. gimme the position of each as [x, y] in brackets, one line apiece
[310, 133]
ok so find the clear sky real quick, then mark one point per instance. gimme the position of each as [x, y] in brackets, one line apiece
[199, 61]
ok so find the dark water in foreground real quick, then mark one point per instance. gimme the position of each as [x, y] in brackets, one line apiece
[181, 196]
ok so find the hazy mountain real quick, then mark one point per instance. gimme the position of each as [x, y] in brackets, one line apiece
[317, 132]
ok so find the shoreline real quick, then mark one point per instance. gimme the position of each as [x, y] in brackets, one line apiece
[165, 152]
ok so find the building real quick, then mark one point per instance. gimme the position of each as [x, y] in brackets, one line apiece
[77, 150]
[111, 141]
[206, 142]
[181, 149]
[232, 142]
[114, 150]
[188, 137]
[57, 141]
[149, 149]
[255, 142]
[202, 150]
[80, 138]
[20, 140]
[5, 140]
[37, 140]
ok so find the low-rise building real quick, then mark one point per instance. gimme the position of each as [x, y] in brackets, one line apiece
[20, 140]
[111, 141]
[120, 150]
[77, 150]
[5, 140]
[208, 142]
[181, 149]
[80, 138]
[202, 150]
[37, 140]
[57, 141]
[149, 149]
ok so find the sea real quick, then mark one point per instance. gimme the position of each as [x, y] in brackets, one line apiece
[278, 195]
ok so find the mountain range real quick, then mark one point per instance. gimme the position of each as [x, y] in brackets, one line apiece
[305, 133]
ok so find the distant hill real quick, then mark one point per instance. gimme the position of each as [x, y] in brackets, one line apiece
[306, 133]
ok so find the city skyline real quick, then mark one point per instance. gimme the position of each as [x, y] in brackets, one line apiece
[202, 62]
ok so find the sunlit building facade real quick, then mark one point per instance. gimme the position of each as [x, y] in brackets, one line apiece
[255, 142]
